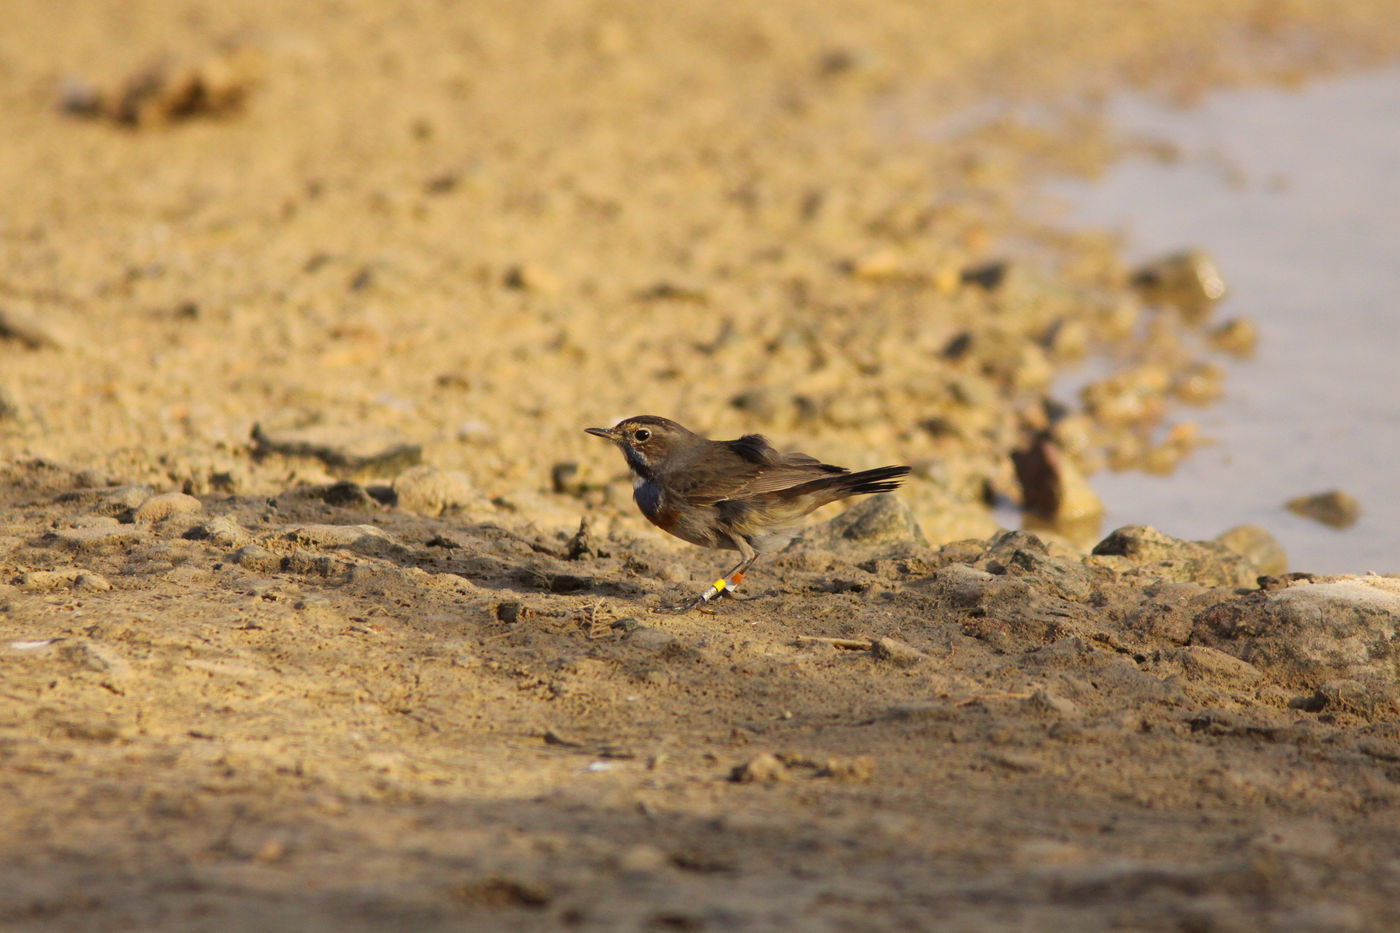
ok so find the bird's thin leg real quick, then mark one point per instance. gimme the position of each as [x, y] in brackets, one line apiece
[725, 583]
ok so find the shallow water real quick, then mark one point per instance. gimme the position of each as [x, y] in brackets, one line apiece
[1297, 195]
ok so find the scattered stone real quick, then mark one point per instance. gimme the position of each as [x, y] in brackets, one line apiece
[500, 891]
[168, 91]
[166, 505]
[257, 558]
[964, 586]
[896, 652]
[673, 572]
[1044, 702]
[1238, 336]
[510, 611]
[1067, 339]
[764, 769]
[555, 737]
[1013, 362]
[990, 276]
[694, 293]
[222, 531]
[1258, 547]
[1189, 281]
[381, 493]
[646, 639]
[347, 451]
[91, 581]
[885, 265]
[42, 581]
[108, 500]
[426, 490]
[565, 479]
[1133, 398]
[346, 494]
[857, 770]
[271, 851]
[642, 859]
[529, 277]
[1335, 508]
[881, 520]
[1199, 384]
[32, 330]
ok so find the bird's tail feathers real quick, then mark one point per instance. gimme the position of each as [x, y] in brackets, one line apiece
[880, 479]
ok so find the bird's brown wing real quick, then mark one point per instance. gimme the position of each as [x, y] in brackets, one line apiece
[746, 467]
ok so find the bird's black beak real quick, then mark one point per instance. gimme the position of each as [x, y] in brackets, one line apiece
[605, 433]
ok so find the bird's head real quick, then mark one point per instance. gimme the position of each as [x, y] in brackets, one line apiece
[646, 440]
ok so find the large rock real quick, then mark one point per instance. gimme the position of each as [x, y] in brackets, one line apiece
[1346, 628]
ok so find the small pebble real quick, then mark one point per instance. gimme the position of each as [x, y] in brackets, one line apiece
[849, 770]
[159, 508]
[1335, 508]
[764, 769]
[529, 277]
[256, 557]
[426, 490]
[896, 652]
[221, 531]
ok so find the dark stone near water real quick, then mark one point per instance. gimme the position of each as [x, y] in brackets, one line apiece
[1335, 508]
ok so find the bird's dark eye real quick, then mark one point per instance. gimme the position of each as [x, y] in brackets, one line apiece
[642, 435]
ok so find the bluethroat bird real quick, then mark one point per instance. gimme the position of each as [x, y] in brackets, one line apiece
[742, 495]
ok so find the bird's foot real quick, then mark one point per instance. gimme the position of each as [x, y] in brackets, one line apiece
[721, 587]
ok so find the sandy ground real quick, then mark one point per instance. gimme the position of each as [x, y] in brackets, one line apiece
[365, 672]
